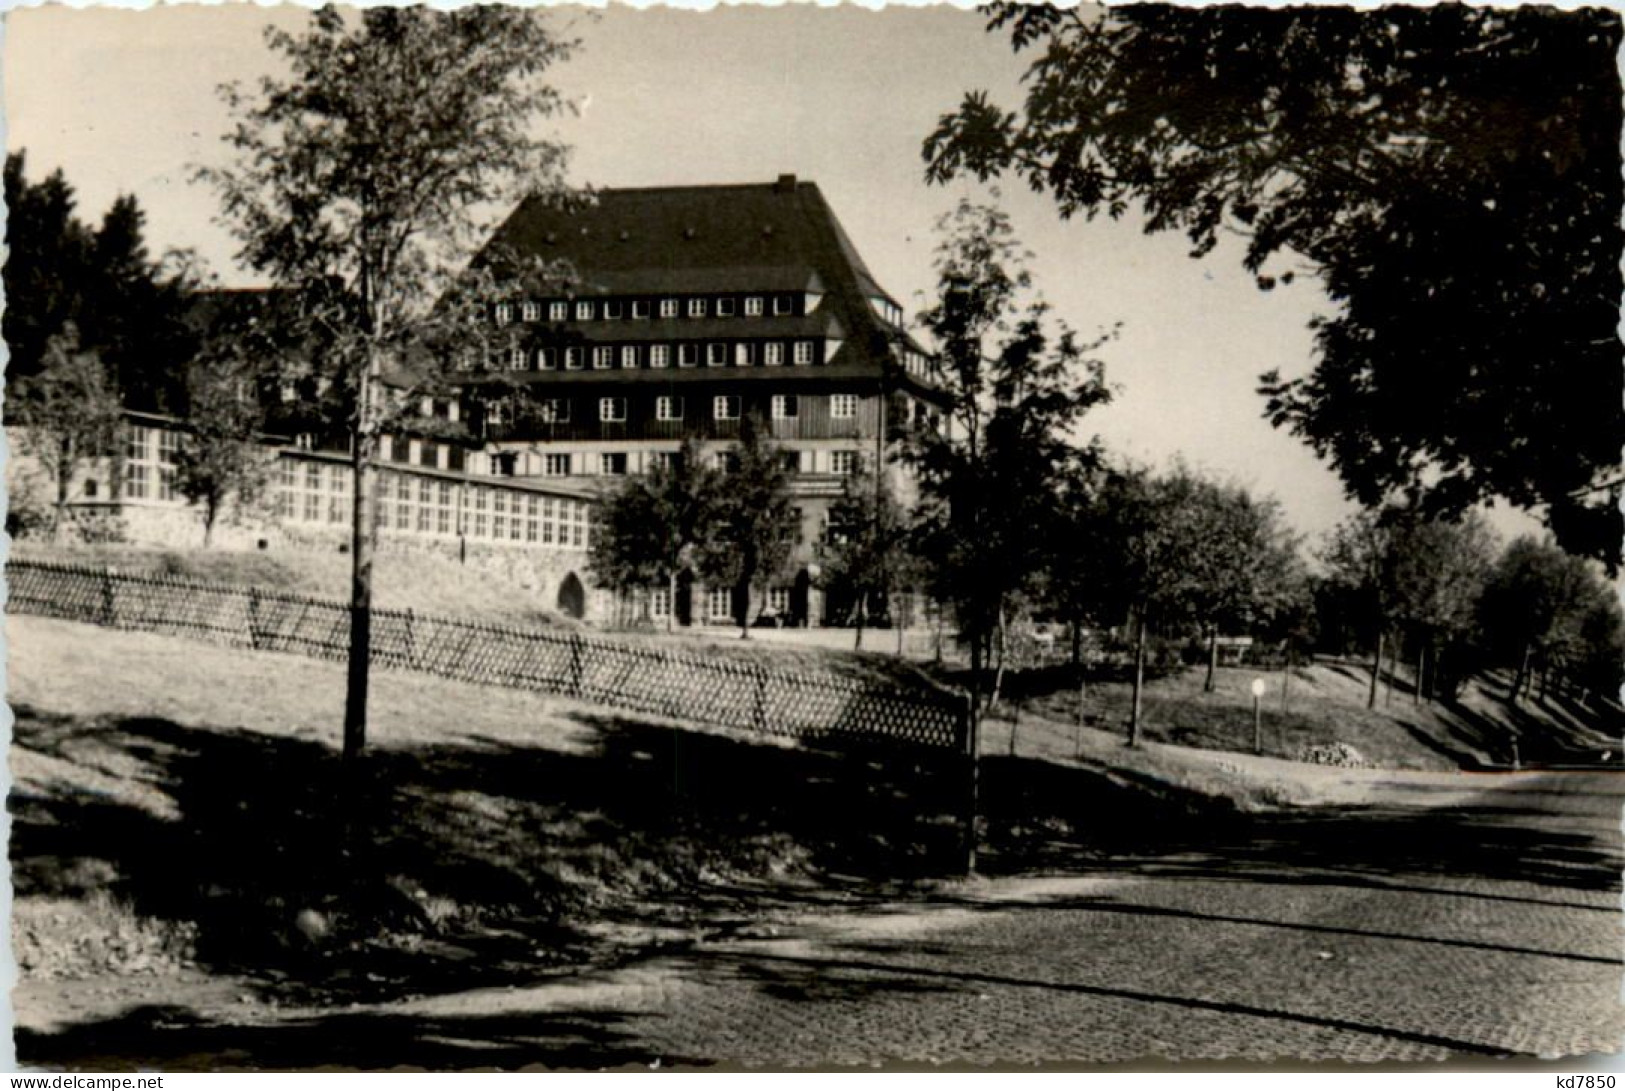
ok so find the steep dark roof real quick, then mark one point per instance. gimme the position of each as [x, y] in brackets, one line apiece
[779, 236]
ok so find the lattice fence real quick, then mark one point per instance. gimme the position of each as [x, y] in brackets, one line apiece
[708, 689]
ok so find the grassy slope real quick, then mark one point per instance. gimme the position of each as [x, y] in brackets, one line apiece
[422, 582]
[1326, 703]
[434, 585]
[199, 786]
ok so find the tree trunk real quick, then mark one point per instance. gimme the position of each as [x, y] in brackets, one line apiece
[1421, 665]
[363, 537]
[998, 674]
[64, 473]
[976, 666]
[211, 512]
[1376, 672]
[1139, 683]
[857, 644]
[1522, 676]
[1077, 647]
[671, 599]
[1212, 658]
[1393, 669]
[1286, 677]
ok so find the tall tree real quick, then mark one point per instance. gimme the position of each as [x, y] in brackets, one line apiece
[1359, 557]
[1242, 560]
[69, 414]
[1451, 173]
[756, 527]
[362, 176]
[1535, 605]
[48, 262]
[1145, 529]
[656, 526]
[126, 307]
[1017, 391]
[222, 459]
[1438, 569]
[863, 557]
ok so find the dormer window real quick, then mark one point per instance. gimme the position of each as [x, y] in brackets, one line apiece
[668, 308]
[688, 355]
[603, 358]
[803, 353]
[716, 354]
[744, 354]
[558, 311]
[572, 359]
[530, 311]
[753, 306]
[584, 311]
[659, 355]
[640, 308]
[547, 359]
[504, 313]
[773, 354]
[696, 308]
[516, 359]
[612, 308]
[725, 307]
[783, 304]
[629, 356]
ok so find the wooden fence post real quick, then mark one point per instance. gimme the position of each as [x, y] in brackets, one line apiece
[109, 600]
[254, 618]
[575, 666]
[411, 642]
[760, 718]
[973, 775]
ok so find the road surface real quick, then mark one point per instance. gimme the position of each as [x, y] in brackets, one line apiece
[1453, 918]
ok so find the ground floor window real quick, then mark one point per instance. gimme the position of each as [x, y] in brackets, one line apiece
[718, 603]
[660, 604]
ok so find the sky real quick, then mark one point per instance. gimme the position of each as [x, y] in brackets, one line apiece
[125, 102]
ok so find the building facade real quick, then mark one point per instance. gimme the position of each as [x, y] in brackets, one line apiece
[687, 310]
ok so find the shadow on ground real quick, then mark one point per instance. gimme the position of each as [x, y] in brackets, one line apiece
[447, 868]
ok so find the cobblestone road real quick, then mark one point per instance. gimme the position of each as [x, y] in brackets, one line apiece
[1439, 924]
[1455, 917]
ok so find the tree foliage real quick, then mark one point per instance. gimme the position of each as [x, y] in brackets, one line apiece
[222, 459]
[654, 527]
[756, 527]
[124, 306]
[1019, 385]
[1451, 173]
[1544, 610]
[69, 413]
[864, 557]
[361, 175]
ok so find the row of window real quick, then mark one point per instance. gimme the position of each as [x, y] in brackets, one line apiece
[633, 357]
[588, 310]
[618, 463]
[320, 493]
[724, 407]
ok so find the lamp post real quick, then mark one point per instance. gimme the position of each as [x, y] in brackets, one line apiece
[1258, 716]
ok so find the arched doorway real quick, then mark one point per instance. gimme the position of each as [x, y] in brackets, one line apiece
[572, 597]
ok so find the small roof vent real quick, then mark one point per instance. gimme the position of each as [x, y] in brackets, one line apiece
[785, 184]
[625, 235]
[689, 232]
